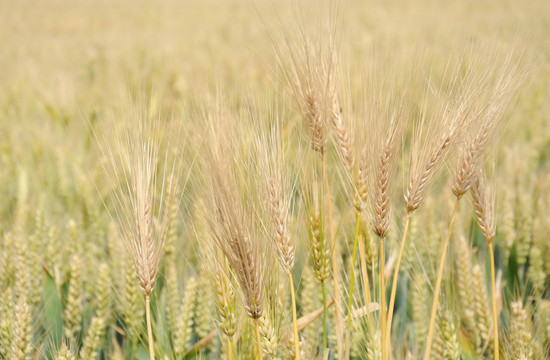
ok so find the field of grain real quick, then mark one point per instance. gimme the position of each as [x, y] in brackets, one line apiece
[239, 179]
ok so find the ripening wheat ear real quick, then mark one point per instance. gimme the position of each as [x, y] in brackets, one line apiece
[234, 216]
[311, 77]
[432, 140]
[342, 135]
[382, 190]
[487, 117]
[387, 118]
[484, 200]
[495, 93]
[277, 187]
[138, 171]
[308, 68]
[278, 194]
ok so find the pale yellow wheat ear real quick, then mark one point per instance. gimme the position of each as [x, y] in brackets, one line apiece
[434, 135]
[221, 280]
[234, 215]
[386, 120]
[307, 61]
[138, 168]
[484, 199]
[138, 171]
[274, 176]
[495, 87]
[497, 91]
[388, 111]
[342, 124]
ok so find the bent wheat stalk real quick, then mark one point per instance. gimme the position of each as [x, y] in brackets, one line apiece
[471, 158]
[431, 157]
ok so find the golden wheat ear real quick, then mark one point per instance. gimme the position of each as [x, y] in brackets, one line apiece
[234, 213]
[138, 170]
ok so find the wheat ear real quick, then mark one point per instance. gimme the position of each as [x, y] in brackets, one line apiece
[320, 252]
[136, 166]
[285, 247]
[471, 156]
[233, 219]
[484, 202]
[432, 155]
[381, 214]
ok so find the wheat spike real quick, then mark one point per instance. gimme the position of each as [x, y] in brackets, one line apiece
[484, 204]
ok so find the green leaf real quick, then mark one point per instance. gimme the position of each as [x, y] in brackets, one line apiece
[53, 310]
[141, 353]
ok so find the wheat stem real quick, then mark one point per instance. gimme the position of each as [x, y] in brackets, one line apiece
[258, 339]
[294, 318]
[324, 290]
[353, 259]
[364, 272]
[394, 280]
[382, 300]
[335, 272]
[149, 328]
[429, 339]
[494, 304]
[229, 348]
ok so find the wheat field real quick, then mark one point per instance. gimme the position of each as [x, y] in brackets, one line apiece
[239, 179]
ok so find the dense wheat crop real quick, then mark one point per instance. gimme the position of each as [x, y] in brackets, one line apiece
[230, 179]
